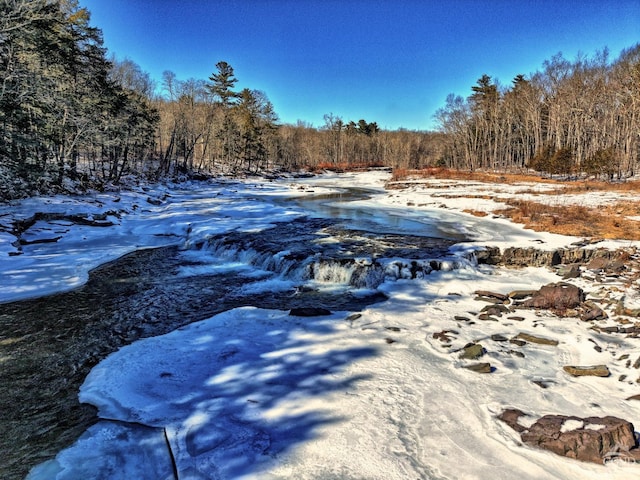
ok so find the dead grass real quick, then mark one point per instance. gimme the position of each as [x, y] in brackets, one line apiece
[573, 186]
[602, 222]
[476, 213]
[478, 176]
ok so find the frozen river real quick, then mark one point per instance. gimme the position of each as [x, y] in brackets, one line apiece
[198, 368]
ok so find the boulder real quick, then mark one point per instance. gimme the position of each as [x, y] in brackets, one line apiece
[556, 296]
[589, 439]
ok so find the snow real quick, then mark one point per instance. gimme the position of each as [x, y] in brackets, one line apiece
[259, 394]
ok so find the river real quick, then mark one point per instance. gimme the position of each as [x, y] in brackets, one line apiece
[50, 343]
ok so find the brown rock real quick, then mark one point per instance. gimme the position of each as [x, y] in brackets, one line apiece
[496, 310]
[480, 367]
[598, 263]
[521, 294]
[591, 371]
[592, 440]
[511, 416]
[498, 296]
[592, 312]
[534, 339]
[556, 296]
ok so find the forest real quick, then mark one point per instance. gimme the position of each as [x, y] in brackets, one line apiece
[69, 112]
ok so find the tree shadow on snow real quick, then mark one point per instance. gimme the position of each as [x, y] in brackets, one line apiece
[226, 397]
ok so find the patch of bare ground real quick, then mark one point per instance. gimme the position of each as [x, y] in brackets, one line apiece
[400, 175]
[609, 222]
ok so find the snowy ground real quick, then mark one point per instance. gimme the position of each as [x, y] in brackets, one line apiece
[255, 393]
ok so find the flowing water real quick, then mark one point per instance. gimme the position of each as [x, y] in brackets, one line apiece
[49, 344]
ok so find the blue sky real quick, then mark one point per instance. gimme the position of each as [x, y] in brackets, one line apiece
[392, 62]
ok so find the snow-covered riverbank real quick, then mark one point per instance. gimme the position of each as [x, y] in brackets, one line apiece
[254, 393]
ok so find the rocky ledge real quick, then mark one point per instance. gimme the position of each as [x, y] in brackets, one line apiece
[582, 253]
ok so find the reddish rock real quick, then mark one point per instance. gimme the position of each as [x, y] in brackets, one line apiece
[593, 441]
[511, 416]
[557, 296]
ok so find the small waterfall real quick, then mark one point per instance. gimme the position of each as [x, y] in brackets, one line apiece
[312, 266]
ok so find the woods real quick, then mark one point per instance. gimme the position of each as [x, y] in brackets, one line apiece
[65, 110]
[572, 117]
[68, 111]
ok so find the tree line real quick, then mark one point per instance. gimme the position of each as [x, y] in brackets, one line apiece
[68, 111]
[569, 118]
[61, 100]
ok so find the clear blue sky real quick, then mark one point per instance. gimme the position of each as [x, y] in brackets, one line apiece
[392, 62]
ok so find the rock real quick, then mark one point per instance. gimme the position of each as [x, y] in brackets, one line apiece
[589, 439]
[491, 300]
[516, 318]
[496, 310]
[499, 338]
[521, 294]
[557, 296]
[590, 371]
[534, 339]
[472, 351]
[544, 384]
[597, 264]
[498, 296]
[592, 312]
[511, 416]
[634, 397]
[309, 312]
[480, 367]
[569, 271]
[461, 318]
[486, 316]
[443, 336]
[520, 343]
